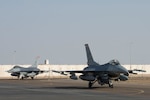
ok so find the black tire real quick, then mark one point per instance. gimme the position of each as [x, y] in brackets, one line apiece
[22, 78]
[111, 86]
[90, 84]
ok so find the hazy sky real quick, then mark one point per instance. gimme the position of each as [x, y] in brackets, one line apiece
[58, 29]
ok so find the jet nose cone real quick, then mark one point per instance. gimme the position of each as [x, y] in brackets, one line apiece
[124, 71]
[9, 71]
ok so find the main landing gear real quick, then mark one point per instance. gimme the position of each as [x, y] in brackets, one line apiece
[111, 86]
[92, 82]
[32, 78]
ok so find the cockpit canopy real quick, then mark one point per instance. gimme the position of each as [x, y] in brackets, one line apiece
[16, 67]
[114, 62]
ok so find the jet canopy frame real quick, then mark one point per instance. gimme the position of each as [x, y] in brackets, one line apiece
[114, 62]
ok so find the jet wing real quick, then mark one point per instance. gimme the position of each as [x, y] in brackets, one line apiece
[60, 72]
[73, 72]
[63, 72]
[36, 72]
[40, 71]
[43, 71]
[134, 71]
[139, 70]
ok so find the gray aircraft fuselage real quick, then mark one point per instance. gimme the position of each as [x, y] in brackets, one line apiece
[22, 69]
[22, 72]
[103, 74]
[113, 71]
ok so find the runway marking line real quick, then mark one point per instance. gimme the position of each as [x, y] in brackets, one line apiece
[141, 92]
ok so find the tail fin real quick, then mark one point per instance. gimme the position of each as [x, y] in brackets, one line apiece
[90, 60]
[35, 64]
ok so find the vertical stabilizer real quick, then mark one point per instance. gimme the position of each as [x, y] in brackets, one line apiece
[90, 60]
[35, 63]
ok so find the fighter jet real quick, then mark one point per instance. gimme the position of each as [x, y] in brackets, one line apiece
[22, 72]
[94, 72]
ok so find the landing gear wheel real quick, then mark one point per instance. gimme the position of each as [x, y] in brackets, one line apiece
[32, 78]
[111, 84]
[22, 78]
[90, 84]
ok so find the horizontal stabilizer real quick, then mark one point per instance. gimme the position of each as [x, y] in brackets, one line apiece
[135, 70]
[139, 70]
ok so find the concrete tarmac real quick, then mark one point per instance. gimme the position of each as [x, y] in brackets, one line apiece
[67, 89]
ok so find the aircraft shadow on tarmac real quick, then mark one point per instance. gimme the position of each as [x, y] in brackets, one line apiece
[72, 87]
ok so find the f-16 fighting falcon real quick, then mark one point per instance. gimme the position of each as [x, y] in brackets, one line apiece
[22, 72]
[103, 74]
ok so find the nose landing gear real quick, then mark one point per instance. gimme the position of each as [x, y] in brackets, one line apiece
[110, 84]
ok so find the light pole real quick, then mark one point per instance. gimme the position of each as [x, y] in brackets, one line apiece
[14, 58]
[130, 53]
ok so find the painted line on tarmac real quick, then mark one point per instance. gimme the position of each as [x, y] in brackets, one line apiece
[140, 92]
[137, 92]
